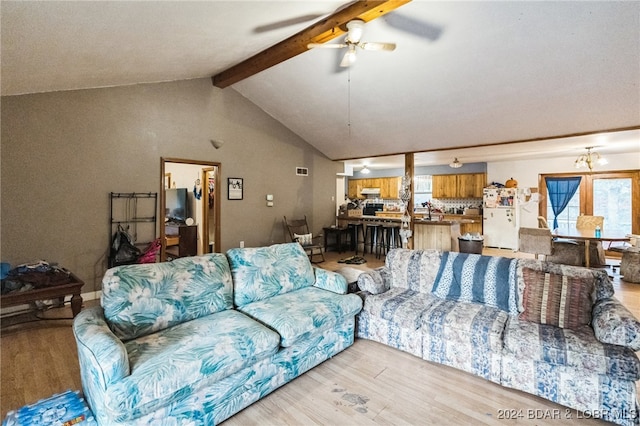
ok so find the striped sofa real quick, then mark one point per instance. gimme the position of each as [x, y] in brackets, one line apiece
[551, 330]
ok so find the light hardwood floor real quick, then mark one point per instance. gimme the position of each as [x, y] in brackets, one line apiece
[368, 383]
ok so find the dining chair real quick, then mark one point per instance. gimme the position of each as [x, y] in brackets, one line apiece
[540, 241]
[536, 241]
[596, 251]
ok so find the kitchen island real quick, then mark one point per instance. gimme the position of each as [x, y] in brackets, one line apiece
[428, 234]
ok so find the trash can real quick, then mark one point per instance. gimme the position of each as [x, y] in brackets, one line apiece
[470, 245]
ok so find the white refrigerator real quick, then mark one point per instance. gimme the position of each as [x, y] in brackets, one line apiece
[501, 219]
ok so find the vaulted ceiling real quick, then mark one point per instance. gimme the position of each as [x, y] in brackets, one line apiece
[464, 74]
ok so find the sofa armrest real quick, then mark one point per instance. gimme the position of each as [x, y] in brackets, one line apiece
[375, 281]
[102, 356]
[331, 281]
[614, 324]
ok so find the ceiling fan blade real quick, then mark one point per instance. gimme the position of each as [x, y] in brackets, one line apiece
[286, 23]
[326, 45]
[413, 26]
[372, 45]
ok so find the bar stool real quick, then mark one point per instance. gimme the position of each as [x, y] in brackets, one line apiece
[392, 234]
[354, 228]
[381, 237]
[371, 237]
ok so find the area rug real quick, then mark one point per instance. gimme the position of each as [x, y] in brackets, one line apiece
[62, 409]
[353, 260]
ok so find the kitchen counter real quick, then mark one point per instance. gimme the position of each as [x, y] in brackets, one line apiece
[427, 234]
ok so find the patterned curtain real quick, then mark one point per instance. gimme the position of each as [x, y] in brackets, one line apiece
[560, 191]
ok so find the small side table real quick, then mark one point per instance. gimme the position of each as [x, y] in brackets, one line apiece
[52, 292]
[338, 234]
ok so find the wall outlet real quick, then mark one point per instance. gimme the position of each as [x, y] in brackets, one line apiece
[241, 244]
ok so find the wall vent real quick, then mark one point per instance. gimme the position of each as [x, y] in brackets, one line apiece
[302, 171]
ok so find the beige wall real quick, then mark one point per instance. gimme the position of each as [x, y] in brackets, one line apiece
[62, 153]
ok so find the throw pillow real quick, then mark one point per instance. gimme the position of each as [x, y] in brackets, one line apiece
[555, 299]
[304, 239]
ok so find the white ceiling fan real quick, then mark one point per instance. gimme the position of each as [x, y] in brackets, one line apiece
[352, 41]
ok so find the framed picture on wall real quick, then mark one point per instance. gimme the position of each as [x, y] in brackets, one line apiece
[235, 188]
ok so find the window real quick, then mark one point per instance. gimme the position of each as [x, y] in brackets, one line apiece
[423, 191]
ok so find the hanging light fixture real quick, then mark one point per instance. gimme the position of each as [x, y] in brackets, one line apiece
[588, 159]
[365, 170]
[455, 164]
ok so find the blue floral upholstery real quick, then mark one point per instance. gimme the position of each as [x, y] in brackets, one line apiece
[413, 269]
[577, 348]
[375, 281]
[614, 324]
[332, 281]
[193, 358]
[263, 272]
[298, 314]
[467, 316]
[467, 336]
[142, 299]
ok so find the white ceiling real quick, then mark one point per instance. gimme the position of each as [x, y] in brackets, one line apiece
[476, 73]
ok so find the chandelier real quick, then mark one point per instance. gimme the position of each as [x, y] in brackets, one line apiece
[588, 159]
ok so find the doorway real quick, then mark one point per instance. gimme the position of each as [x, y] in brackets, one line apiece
[614, 195]
[195, 184]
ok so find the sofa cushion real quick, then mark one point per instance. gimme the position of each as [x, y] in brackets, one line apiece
[413, 269]
[142, 299]
[576, 348]
[463, 335]
[559, 300]
[168, 366]
[490, 280]
[264, 272]
[402, 307]
[304, 312]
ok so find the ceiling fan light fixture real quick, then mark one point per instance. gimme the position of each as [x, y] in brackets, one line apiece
[455, 164]
[355, 28]
[349, 57]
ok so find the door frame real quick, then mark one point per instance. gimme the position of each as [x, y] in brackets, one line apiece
[204, 164]
[586, 191]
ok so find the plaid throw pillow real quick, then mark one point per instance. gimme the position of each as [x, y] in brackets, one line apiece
[556, 299]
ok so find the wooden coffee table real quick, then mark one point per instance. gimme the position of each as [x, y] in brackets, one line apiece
[46, 293]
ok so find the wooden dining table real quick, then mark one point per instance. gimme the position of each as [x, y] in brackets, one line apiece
[588, 235]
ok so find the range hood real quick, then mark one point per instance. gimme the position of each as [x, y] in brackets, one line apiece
[370, 191]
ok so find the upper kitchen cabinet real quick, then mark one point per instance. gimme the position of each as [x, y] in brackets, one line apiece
[469, 185]
[389, 187]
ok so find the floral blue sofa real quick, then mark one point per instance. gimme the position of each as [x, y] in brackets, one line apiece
[198, 339]
[552, 330]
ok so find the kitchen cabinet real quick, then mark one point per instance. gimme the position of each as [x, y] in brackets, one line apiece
[468, 185]
[389, 187]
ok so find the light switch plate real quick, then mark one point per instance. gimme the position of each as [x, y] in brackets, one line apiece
[269, 197]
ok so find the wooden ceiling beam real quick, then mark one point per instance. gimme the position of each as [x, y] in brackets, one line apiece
[322, 31]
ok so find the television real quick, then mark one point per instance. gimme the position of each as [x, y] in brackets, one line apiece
[176, 206]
